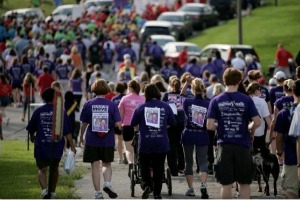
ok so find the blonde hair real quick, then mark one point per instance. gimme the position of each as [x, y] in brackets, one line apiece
[198, 86]
[288, 85]
[157, 77]
[218, 89]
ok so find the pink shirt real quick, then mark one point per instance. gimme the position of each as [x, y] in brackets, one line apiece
[127, 106]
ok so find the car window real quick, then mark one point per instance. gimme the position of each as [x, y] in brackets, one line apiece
[104, 3]
[162, 42]
[157, 30]
[170, 18]
[206, 53]
[243, 50]
[189, 48]
[207, 10]
[191, 9]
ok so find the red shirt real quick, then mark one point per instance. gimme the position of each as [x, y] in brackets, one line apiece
[282, 56]
[26, 90]
[44, 82]
[183, 57]
[5, 89]
[109, 95]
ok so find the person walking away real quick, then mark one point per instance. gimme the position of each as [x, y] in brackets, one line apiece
[282, 57]
[127, 106]
[195, 136]
[175, 156]
[45, 80]
[153, 143]
[5, 91]
[76, 86]
[287, 146]
[107, 59]
[29, 87]
[99, 145]
[40, 130]
[183, 57]
[230, 114]
[16, 76]
[62, 73]
[157, 54]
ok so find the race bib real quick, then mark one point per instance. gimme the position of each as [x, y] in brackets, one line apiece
[152, 117]
[198, 115]
[100, 119]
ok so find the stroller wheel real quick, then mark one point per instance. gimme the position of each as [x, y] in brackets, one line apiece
[169, 182]
[132, 182]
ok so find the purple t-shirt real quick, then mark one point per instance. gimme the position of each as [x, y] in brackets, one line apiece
[233, 117]
[153, 117]
[117, 99]
[16, 74]
[76, 85]
[276, 93]
[41, 123]
[194, 69]
[195, 122]
[62, 72]
[103, 110]
[284, 102]
[282, 126]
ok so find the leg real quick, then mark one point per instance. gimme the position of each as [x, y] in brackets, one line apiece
[129, 151]
[203, 166]
[120, 146]
[106, 171]
[180, 155]
[210, 152]
[158, 160]
[145, 162]
[244, 191]
[42, 177]
[55, 178]
[172, 154]
[188, 155]
[226, 191]
[96, 175]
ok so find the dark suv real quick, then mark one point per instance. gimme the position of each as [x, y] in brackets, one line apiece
[225, 8]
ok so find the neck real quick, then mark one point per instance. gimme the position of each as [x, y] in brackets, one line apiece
[296, 99]
[231, 88]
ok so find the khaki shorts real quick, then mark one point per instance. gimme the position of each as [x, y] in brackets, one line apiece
[290, 182]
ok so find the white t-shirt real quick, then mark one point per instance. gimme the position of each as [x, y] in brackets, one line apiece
[238, 63]
[263, 111]
[50, 49]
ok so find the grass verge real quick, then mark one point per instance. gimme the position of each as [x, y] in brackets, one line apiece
[18, 174]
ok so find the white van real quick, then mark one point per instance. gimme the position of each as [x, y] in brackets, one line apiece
[66, 13]
[19, 14]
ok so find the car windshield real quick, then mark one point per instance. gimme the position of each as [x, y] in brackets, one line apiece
[66, 11]
[104, 3]
[191, 9]
[189, 48]
[243, 50]
[171, 18]
[151, 30]
[162, 42]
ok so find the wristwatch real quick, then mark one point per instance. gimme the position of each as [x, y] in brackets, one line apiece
[278, 153]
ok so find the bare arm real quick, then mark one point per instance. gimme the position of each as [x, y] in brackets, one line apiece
[82, 131]
[211, 124]
[70, 140]
[298, 156]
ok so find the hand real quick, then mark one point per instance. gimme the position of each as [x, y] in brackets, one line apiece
[73, 149]
[280, 158]
[32, 138]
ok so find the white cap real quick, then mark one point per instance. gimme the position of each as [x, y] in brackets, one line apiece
[280, 75]
[126, 56]
[272, 81]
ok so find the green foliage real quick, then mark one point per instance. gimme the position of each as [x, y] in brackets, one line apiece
[263, 29]
[18, 174]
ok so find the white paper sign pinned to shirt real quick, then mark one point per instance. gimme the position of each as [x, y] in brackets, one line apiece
[152, 117]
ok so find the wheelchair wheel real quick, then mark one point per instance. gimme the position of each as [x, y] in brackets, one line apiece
[132, 182]
[169, 182]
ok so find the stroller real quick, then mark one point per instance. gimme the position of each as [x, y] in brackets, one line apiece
[135, 174]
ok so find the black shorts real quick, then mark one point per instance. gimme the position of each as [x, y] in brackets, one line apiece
[117, 131]
[16, 86]
[128, 133]
[4, 101]
[233, 164]
[42, 163]
[92, 154]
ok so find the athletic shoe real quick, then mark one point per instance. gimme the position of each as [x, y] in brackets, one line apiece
[7, 120]
[53, 195]
[99, 195]
[190, 192]
[120, 161]
[44, 193]
[111, 193]
[146, 193]
[203, 191]
[157, 197]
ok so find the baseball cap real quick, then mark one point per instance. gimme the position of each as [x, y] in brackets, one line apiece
[272, 81]
[126, 56]
[280, 75]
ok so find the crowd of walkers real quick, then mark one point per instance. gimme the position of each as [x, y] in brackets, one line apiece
[223, 111]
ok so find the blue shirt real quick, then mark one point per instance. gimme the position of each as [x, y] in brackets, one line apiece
[108, 55]
[194, 133]
[62, 72]
[156, 51]
[41, 122]
[233, 112]
[194, 69]
[117, 99]
[152, 139]
[284, 102]
[276, 93]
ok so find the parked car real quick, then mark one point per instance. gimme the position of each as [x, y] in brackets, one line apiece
[97, 4]
[19, 14]
[225, 8]
[162, 40]
[201, 15]
[227, 51]
[66, 13]
[181, 22]
[157, 28]
[173, 49]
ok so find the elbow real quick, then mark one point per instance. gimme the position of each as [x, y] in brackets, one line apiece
[257, 124]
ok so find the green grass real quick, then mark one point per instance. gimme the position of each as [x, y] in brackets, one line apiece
[18, 174]
[46, 5]
[264, 29]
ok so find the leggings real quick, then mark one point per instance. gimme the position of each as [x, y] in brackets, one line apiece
[201, 153]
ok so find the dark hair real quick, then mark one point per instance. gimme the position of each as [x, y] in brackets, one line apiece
[24, 59]
[254, 74]
[252, 87]
[69, 96]
[152, 92]
[232, 76]
[3, 79]
[242, 88]
[100, 87]
[135, 86]
[48, 95]
[296, 88]
[175, 85]
[76, 73]
[218, 54]
[298, 72]
[121, 87]
[160, 86]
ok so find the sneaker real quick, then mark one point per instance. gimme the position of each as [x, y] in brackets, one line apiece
[190, 192]
[7, 120]
[111, 193]
[120, 161]
[146, 193]
[44, 193]
[53, 195]
[157, 197]
[204, 194]
[99, 195]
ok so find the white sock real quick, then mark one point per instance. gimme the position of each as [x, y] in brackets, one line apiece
[98, 192]
[106, 184]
